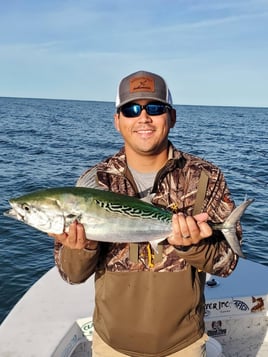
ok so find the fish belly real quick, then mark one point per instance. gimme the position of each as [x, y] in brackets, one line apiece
[124, 229]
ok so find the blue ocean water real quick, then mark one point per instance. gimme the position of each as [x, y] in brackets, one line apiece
[49, 143]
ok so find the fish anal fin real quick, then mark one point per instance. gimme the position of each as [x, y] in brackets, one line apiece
[154, 244]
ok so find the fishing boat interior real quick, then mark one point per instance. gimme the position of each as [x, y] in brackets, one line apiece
[54, 318]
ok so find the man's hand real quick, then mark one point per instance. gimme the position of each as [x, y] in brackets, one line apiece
[76, 238]
[188, 230]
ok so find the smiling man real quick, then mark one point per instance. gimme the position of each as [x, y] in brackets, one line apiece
[145, 123]
[152, 303]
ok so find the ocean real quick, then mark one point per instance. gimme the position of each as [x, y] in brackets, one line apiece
[48, 143]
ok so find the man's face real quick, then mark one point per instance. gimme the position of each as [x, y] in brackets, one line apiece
[145, 134]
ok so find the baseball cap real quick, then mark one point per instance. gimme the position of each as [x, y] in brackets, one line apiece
[142, 85]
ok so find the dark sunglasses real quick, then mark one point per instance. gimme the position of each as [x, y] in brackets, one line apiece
[132, 110]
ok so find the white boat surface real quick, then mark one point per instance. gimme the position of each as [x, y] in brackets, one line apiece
[54, 319]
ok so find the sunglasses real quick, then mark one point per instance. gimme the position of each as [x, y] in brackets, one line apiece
[132, 110]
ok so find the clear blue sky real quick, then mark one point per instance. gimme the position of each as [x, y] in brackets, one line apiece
[211, 52]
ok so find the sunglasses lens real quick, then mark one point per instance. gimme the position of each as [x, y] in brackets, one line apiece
[155, 109]
[131, 110]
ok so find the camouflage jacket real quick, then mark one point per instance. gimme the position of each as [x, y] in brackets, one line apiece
[135, 298]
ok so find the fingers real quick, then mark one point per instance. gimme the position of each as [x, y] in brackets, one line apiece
[80, 234]
[188, 230]
[76, 237]
[205, 230]
[201, 217]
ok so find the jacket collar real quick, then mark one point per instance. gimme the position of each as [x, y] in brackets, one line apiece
[118, 164]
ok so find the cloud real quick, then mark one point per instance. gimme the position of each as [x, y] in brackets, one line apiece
[59, 48]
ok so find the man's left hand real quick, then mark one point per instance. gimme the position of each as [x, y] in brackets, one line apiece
[188, 230]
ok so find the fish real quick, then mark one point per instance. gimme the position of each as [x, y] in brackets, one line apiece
[107, 216]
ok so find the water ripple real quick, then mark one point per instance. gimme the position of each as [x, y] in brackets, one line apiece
[49, 143]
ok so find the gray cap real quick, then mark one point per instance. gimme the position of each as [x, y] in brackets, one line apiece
[142, 85]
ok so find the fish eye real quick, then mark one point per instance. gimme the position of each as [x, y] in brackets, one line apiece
[26, 207]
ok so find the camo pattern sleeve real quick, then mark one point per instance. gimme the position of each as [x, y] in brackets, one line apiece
[175, 189]
[178, 191]
[75, 265]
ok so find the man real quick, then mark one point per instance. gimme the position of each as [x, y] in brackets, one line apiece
[148, 303]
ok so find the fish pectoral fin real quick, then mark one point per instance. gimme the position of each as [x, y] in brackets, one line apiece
[56, 228]
[70, 218]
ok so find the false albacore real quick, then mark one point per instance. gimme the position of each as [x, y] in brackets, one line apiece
[106, 216]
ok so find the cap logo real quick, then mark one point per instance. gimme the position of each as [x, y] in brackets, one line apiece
[141, 84]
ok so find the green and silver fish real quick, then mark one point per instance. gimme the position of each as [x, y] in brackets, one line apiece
[106, 216]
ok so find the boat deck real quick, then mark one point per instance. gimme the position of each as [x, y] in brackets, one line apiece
[54, 318]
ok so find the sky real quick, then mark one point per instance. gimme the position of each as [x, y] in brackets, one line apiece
[210, 52]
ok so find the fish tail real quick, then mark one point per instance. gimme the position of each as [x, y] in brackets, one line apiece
[237, 213]
[229, 227]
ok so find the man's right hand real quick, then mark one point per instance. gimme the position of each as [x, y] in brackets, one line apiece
[76, 238]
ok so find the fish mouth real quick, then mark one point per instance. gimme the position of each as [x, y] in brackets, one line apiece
[12, 213]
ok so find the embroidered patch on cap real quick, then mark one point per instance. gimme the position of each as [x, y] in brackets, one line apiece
[142, 84]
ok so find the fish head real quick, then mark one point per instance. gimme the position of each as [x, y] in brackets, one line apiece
[42, 214]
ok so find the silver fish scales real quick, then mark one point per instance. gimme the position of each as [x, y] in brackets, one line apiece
[106, 216]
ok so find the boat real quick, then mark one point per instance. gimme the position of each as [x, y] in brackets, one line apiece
[54, 318]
